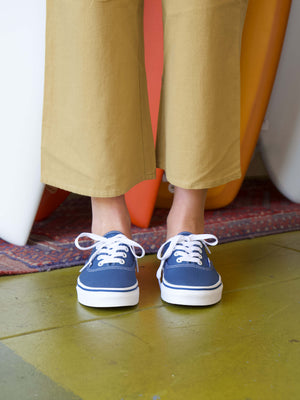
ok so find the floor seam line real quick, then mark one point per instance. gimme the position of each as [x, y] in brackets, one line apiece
[74, 324]
[285, 247]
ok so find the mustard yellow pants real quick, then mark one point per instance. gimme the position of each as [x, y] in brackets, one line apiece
[96, 133]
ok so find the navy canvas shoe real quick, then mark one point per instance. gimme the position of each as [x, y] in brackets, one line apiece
[108, 279]
[186, 275]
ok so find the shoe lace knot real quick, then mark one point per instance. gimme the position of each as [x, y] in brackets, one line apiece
[109, 250]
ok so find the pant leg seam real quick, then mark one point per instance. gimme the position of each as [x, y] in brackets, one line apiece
[140, 90]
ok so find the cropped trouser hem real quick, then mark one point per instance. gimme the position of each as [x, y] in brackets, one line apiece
[204, 184]
[94, 191]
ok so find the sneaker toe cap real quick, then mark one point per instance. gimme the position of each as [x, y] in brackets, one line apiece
[186, 275]
[110, 278]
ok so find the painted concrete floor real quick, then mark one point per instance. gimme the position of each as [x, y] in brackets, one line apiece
[246, 347]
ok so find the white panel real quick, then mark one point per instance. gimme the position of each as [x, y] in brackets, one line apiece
[280, 134]
[22, 50]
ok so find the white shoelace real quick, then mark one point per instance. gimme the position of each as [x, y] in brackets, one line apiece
[113, 249]
[188, 248]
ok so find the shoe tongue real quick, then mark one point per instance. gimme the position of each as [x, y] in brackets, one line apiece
[184, 233]
[112, 234]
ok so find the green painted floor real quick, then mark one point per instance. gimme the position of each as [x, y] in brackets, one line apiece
[246, 347]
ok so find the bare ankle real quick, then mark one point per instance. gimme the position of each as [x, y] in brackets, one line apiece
[192, 225]
[110, 214]
[187, 211]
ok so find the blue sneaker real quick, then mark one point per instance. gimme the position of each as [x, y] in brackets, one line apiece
[186, 275]
[108, 278]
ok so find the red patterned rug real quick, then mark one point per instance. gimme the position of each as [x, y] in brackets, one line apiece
[258, 210]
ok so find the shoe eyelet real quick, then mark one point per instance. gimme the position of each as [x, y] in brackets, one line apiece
[122, 261]
[179, 259]
[176, 253]
[100, 263]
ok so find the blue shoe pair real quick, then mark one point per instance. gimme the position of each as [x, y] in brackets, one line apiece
[186, 276]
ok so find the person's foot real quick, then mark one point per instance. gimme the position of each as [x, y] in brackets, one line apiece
[186, 275]
[108, 279]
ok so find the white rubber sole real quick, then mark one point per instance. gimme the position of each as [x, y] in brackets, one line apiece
[191, 297]
[101, 298]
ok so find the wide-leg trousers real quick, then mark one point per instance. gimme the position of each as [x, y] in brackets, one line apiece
[97, 137]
